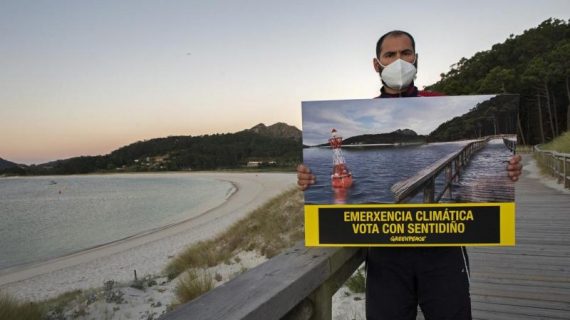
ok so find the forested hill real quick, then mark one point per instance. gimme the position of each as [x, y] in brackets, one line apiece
[278, 145]
[536, 65]
[494, 116]
[398, 136]
[5, 164]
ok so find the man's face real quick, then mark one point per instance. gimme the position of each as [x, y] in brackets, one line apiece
[394, 48]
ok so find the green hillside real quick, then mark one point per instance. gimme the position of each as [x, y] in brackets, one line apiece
[494, 116]
[536, 65]
[278, 146]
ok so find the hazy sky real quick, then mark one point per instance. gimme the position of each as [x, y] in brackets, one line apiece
[423, 115]
[86, 77]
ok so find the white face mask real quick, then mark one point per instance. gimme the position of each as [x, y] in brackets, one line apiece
[398, 74]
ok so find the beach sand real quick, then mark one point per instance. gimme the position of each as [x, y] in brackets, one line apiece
[148, 253]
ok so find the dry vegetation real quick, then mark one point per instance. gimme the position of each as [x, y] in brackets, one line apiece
[193, 283]
[560, 144]
[270, 229]
[11, 308]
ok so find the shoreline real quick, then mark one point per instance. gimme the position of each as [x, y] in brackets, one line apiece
[147, 252]
[31, 265]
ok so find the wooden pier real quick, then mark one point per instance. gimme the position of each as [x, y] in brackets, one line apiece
[425, 180]
[532, 279]
[476, 173]
[485, 179]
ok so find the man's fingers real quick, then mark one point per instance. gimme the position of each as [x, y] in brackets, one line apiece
[303, 169]
[513, 173]
[304, 177]
[514, 167]
[515, 159]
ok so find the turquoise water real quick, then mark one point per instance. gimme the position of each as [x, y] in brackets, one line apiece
[47, 217]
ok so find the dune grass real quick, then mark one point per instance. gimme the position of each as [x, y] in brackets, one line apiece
[270, 229]
[560, 144]
[11, 308]
[357, 282]
[15, 309]
[276, 225]
[193, 283]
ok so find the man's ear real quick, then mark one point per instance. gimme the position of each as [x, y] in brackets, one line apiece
[376, 65]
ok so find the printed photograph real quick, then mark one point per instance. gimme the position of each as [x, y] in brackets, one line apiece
[451, 149]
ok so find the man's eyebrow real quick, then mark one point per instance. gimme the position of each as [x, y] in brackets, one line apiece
[395, 51]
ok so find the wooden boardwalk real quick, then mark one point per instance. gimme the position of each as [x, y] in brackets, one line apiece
[532, 279]
[485, 178]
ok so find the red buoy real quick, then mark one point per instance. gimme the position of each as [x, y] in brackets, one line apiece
[341, 176]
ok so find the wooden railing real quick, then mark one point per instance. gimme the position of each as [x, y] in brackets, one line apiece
[425, 178]
[297, 284]
[556, 163]
[510, 144]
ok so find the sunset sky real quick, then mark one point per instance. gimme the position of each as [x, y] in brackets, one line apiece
[86, 77]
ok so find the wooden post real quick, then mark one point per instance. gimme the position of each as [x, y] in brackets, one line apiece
[429, 190]
[457, 169]
[448, 178]
[566, 178]
[559, 171]
[303, 311]
[322, 302]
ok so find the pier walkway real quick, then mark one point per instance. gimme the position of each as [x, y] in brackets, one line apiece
[484, 178]
[532, 279]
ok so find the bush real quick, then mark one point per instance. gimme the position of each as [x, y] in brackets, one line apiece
[357, 283]
[11, 308]
[193, 284]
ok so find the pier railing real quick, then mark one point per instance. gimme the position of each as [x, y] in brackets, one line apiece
[510, 144]
[424, 180]
[557, 164]
[297, 284]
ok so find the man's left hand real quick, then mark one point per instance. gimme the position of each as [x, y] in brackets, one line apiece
[514, 168]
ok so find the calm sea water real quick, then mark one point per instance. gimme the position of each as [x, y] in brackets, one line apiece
[47, 217]
[374, 170]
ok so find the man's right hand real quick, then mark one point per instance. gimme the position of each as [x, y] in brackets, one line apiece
[304, 177]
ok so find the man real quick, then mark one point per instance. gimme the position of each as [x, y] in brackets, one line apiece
[400, 278]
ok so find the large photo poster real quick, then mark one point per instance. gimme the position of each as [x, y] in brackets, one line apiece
[415, 171]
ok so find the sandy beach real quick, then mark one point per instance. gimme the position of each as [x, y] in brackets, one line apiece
[147, 253]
